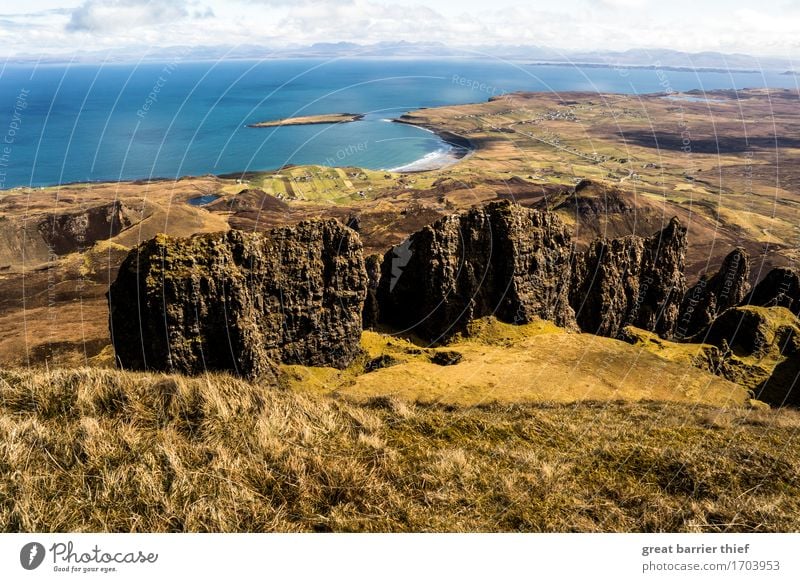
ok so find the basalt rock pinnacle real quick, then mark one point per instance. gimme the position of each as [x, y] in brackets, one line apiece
[240, 302]
[631, 281]
[500, 259]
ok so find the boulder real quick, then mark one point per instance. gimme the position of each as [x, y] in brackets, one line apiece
[500, 259]
[631, 281]
[240, 302]
[712, 295]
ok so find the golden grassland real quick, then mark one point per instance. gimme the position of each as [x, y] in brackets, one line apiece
[510, 364]
[534, 429]
[104, 450]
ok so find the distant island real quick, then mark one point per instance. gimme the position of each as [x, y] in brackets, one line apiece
[650, 66]
[310, 120]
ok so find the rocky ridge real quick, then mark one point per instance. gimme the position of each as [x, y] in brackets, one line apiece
[500, 259]
[302, 295]
[631, 280]
[240, 302]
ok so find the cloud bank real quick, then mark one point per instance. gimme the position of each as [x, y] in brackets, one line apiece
[61, 27]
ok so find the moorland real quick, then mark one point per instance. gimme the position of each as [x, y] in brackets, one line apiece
[535, 427]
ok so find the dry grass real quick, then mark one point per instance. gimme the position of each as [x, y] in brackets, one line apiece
[102, 450]
[513, 364]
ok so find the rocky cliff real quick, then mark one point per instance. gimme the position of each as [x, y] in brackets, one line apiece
[631, 281]
[779, 288]
[760, 348]
[712, 295]
[501, 259]
[371, 313]
[68, 232]
[519, 264]
[239, 302]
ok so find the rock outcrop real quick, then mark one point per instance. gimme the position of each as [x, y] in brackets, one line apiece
[782, 388]
[371, 315]
[752, 331]
[631, 281]
[781, 288]
[501, 259]
[712, 295]
[69, 232]
[240, 302]
[592, 199]
[760, 348]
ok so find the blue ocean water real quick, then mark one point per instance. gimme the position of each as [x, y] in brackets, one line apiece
[69, 123]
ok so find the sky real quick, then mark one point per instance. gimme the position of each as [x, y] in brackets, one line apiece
[61, 27]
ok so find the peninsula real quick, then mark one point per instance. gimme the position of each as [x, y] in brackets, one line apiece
[310, 120]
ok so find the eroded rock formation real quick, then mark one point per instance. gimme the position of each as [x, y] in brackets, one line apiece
[631, 281]
[712, 295]
[69, 232]
[501, 259]
[780, 288]
[760, 348]
[240, 302]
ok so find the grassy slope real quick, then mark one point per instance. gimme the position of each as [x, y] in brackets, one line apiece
[779, 330]
[92, 450]
[508, 364]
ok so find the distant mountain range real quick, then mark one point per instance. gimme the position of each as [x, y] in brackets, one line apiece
[662, 58]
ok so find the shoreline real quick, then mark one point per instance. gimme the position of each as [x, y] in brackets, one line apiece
[429, 162]
[459, 147]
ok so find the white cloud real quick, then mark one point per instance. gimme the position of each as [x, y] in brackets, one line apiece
[102, 16]
[360, 20]
[690, 25]
[624, 4]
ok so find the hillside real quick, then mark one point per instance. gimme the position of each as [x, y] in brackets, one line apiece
[514, 364]
[139, 452]
[500, 345]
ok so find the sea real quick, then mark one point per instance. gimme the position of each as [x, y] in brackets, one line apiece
[69, 122]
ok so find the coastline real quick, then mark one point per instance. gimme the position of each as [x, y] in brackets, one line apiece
[429, 162]
[459, 147]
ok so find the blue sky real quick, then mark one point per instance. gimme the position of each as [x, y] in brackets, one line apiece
[768, 27]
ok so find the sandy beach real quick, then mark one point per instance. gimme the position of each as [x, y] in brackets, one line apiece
[455, 149]
[434, 160]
